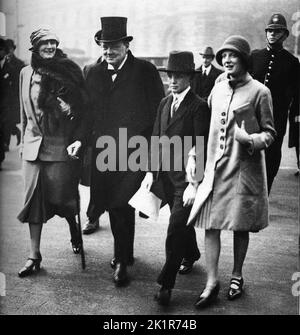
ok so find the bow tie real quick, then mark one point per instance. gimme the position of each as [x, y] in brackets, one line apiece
[112, 72]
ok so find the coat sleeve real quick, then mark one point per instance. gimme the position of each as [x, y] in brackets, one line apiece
[267, 135]
[154, 89]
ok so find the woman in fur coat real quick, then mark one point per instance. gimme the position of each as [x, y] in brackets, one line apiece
[53, 105]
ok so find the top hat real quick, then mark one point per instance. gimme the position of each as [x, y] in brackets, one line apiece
[180, 61]
[277, 21]
[238, 44]
[114, 29]
[208, 52]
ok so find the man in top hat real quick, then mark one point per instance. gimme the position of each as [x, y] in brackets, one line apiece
[279, 71]
[13, 66]
[180, 114]
[124, 93]
[204, 80]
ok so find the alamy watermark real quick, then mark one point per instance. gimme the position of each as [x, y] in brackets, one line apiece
[2, 285]
[161, 153]
[296, 285]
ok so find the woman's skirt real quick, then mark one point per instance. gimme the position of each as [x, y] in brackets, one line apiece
[51, 188]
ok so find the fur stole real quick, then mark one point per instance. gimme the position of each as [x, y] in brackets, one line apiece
[60, 77]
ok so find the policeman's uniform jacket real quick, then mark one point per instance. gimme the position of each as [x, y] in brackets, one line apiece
[279, 71]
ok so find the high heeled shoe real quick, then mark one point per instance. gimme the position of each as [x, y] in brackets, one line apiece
[28, 269]
[236, 288]
[202, 302]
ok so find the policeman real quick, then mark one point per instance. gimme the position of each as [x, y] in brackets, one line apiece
[279, 71]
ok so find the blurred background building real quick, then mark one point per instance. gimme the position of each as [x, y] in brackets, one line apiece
[157, 26]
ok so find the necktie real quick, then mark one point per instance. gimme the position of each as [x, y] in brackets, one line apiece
[204, 73]
[112, 72]
[174, 106]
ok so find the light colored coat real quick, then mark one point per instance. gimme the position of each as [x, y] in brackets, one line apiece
[32, 135]
[233, 194]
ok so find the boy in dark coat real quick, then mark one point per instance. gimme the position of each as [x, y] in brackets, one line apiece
[182, 114]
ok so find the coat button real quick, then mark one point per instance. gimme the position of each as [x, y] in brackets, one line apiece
[268, 74]
[272, 56]
[221, 146]
[223, 113]
[271, 62]
[222, 130]
[222, 121]
[222, 138]
[270, 67]
[266, 81]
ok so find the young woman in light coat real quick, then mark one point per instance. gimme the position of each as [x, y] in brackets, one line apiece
[233, 194]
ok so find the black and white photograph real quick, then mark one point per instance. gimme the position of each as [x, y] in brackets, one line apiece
[149, 160]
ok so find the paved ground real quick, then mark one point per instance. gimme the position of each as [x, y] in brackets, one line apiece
[63, 288]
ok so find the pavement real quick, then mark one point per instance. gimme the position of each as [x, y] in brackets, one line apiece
[63, 288]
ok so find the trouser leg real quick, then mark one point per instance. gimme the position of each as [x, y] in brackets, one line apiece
[122, 221]
[273, 159]
[176, 241]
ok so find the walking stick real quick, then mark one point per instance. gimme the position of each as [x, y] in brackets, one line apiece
[82, 254]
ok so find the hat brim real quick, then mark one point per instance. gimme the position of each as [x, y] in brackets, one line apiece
[164, 69]
[207, 55]
[227, 47]
[99, 40]
[277, 26]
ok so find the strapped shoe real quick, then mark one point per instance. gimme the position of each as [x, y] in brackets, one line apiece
[236, 288]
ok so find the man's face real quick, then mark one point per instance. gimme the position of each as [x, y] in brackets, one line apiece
[206, 60]
[232, 63]
[114, 52]
[47, 49]
[178, 82]
[275, 35]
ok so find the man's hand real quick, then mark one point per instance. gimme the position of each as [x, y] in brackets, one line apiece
[189, 195]
[241, 135]
[147, 181]
[73, 149]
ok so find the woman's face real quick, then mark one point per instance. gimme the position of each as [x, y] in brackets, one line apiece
[232, 63]
[47, 49]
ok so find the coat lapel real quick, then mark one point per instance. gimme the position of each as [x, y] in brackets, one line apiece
[26, 86]
[166, 114]
[181, 109]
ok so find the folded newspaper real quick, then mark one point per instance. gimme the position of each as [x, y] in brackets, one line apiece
[146, 202]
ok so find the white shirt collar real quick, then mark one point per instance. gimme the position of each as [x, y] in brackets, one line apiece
[180, 96]
[2, 62]
[207, 69]
[110, 67]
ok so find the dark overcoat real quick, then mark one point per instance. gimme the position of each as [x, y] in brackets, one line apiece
[279, 71]
[129, 102]
[202, 85]
[191, 119]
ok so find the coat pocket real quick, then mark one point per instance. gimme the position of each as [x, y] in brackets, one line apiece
[250, 180]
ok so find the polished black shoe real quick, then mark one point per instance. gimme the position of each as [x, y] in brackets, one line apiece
[91, 226]
[202, 302]
[120, 276]
[31, 265]
[76, 246]
[113, 262]
[236, 288]
[186, 267]
[163, 296]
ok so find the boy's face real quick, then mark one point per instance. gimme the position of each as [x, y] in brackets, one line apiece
[178, 82]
